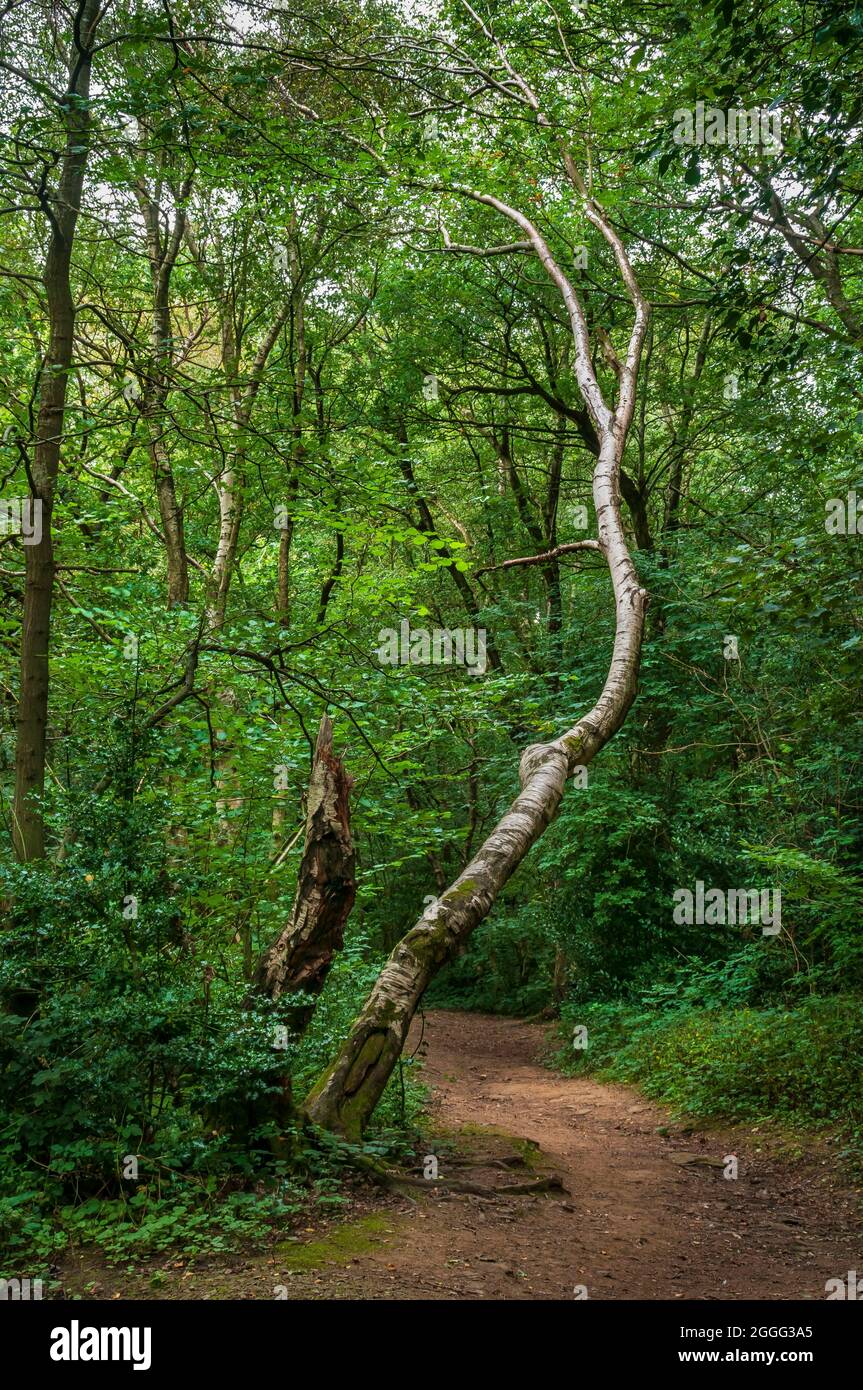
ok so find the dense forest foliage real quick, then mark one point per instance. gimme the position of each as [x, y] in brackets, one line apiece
[469, 375]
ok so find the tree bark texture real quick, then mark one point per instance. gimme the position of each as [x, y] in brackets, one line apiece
[301, 956]
[61, 210]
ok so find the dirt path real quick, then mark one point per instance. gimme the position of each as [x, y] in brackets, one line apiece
[645, 1214]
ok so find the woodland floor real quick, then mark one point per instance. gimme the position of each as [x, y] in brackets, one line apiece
[645, 1215]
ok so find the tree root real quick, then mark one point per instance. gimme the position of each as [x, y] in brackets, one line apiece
[553, 1183]
[396, 1181]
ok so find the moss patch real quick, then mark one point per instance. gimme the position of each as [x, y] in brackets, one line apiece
[339, 1246]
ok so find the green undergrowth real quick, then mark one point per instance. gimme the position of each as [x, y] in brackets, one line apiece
[174, 1211]
[798, 1065]
[131, 1118]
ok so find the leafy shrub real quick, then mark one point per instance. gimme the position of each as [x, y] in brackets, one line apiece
[731, 1063]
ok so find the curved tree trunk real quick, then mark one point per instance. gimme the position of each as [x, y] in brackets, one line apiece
[345, 1096]
[347, 1093]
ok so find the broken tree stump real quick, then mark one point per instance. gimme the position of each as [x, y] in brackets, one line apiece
[300, 958]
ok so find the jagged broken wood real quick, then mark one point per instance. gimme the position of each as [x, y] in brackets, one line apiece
[298, 961]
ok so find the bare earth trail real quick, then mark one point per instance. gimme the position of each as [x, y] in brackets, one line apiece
[645, 1216]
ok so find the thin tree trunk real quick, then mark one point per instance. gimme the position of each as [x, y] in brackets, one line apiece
[558, 983]
[331, 581]
[680, 440]
[544, 537]
[427, 524]
[61, 210]
[822, 264]
[230, 490]
[171, 513]
[230, 484]
[162, 256]
[283, 582]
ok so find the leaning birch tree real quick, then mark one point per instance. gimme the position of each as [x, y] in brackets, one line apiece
[346, 1094]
